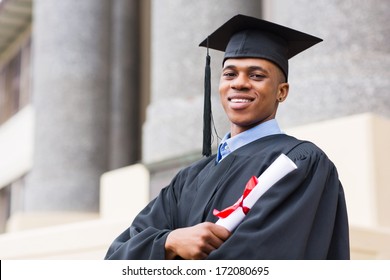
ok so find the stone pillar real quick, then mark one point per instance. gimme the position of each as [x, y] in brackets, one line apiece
[174, 117]
[125, 128]
[71, 53]
[346, 74]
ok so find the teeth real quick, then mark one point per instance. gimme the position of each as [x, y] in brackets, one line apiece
[236, 100]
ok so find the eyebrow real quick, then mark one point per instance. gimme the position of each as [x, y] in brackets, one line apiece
[250, 68]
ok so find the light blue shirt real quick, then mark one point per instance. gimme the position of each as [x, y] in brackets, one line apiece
[230, 144]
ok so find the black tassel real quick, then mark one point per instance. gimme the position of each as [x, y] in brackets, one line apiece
[207, 109]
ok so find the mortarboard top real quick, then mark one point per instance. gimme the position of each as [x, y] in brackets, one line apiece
[243, 36]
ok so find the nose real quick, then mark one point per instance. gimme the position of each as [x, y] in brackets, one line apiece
[241, 82]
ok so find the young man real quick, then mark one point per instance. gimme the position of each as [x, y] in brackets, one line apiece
[303, 216]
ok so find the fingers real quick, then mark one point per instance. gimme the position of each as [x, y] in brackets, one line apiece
[218, 235]
[195, 242]
[219, 231]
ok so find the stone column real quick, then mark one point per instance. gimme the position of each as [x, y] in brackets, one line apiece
[125, 128]
[174, 123]
[346, 74]
[71, 42]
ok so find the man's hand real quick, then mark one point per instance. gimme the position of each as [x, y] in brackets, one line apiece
[196, 242]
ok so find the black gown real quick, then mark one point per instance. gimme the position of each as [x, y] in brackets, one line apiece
[303, 216]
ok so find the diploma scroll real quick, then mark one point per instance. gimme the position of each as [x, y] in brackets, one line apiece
[276, 171]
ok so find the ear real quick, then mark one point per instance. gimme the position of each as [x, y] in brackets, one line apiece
[282, 91]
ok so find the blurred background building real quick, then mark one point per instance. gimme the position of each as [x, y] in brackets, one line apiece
[101, 104]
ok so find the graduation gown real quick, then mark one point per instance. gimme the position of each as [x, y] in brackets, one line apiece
[303, 216]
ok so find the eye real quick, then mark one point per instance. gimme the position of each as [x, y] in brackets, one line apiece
[229, 74]
[257, 76]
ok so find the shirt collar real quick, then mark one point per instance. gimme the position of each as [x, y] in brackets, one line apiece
[230, 144]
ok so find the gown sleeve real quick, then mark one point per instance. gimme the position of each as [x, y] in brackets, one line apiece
[303, 216]
[145, 238]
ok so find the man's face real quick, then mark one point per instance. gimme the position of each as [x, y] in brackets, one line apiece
[249, 90]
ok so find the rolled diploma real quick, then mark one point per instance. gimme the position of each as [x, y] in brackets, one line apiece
[276, 171]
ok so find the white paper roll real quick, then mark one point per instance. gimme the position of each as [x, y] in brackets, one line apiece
[276, 171]
[233, 220]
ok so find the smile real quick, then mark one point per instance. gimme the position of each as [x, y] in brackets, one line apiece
[239, 100]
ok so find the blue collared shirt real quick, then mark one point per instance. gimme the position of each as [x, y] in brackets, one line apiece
[230, 144]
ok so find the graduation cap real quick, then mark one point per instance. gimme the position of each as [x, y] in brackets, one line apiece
[248, 37]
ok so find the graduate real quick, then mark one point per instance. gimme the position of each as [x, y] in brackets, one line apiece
[302, 216]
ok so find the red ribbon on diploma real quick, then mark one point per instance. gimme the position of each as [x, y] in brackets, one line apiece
[227, 211]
